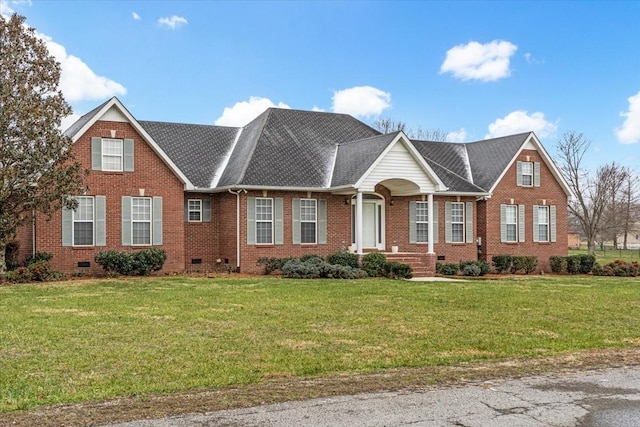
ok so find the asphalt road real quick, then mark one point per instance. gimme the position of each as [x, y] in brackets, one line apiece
[589, 399]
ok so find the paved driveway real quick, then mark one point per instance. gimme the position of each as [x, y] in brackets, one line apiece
[596, 398]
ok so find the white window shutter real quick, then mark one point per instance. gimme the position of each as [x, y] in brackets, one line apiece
[101, 216]
[413, 228]
[536, 230]
[295, 221]
[186, 210]
[157, 221]
[128, 155]
[469, 225]
[519, 174]
[503, 223]
[322, 221]
[279, 231]
[96, 153]
[251, 220]
[67, 227]
[126, 221]
[521, 221]
[536, 174]
[447, 220]
[552, 223]
[435, 222]
[206, 210]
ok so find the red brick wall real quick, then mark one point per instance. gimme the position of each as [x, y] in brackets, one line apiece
[150, 174]
[550, 193]
[201, 238]
[25, 238]
[338, 230]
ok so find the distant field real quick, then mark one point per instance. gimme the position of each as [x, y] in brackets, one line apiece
[607, 255]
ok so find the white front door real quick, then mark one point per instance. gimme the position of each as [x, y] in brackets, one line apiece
[373, 224]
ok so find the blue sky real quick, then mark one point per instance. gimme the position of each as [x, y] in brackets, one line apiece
[470, 69]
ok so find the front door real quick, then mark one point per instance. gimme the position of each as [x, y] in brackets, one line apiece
[372, 222]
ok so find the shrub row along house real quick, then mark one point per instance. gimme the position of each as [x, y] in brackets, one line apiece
[296, 182]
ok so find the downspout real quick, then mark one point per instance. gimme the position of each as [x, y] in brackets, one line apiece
[237, 193]
[33, 233]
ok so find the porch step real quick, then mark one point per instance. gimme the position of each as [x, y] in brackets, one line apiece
[420, 269]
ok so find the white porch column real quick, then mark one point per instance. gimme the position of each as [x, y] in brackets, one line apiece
[359, 223]
[430, 225]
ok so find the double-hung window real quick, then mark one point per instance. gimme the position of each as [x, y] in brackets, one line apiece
[543, 223]
[141, 220]
[457, 222]
[194, 210]
[308, 220]
[264, 221]
[422, 222]
[112, 154]
[527, 174]
[83, 218]
[511, 223]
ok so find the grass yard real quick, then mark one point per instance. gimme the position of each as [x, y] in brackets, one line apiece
[87, 340]
[608, 255]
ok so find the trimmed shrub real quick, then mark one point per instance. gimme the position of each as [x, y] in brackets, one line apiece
[37, 257]
[41, 271]
[115, 262]
[343, 258]
[19, 275]
[573, 264]
[11, 254]
[558, 264]
[337, 271]
[146, 261]
[617, 268]
[527, 264]
[271, 264]
[586, 263]
[373, 263]
[450, 269]
[471, 270]
[297, 269]
[502, 263]
[307, 257]
[397, 270]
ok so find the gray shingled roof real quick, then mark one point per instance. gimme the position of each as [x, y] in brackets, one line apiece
[197, 150]
[307, 149]
[489, 158]
[355, 157]
[75, 127]
[291, 148]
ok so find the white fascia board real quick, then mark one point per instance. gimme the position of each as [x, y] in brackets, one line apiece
[402, 138]
[268, 188]
[115, 102]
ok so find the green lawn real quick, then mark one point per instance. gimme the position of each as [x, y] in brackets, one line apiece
[608, 255]
[75, 341]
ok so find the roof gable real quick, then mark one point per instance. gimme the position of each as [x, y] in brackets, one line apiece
[401, 162]
[113, 110]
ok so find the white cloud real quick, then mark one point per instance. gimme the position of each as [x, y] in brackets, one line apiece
[474, 61]
[77, 81]
[361, 101]
[629, 133]
[317, 109]
[519, 122]
[457, 136]
[243, 112]
[135, 16]
[172, 22]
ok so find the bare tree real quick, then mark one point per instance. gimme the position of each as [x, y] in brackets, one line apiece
[591, 193]
[37, 167]
[386, 125]
[631, 204]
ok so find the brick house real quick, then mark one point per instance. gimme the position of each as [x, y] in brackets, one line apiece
[296, 182]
